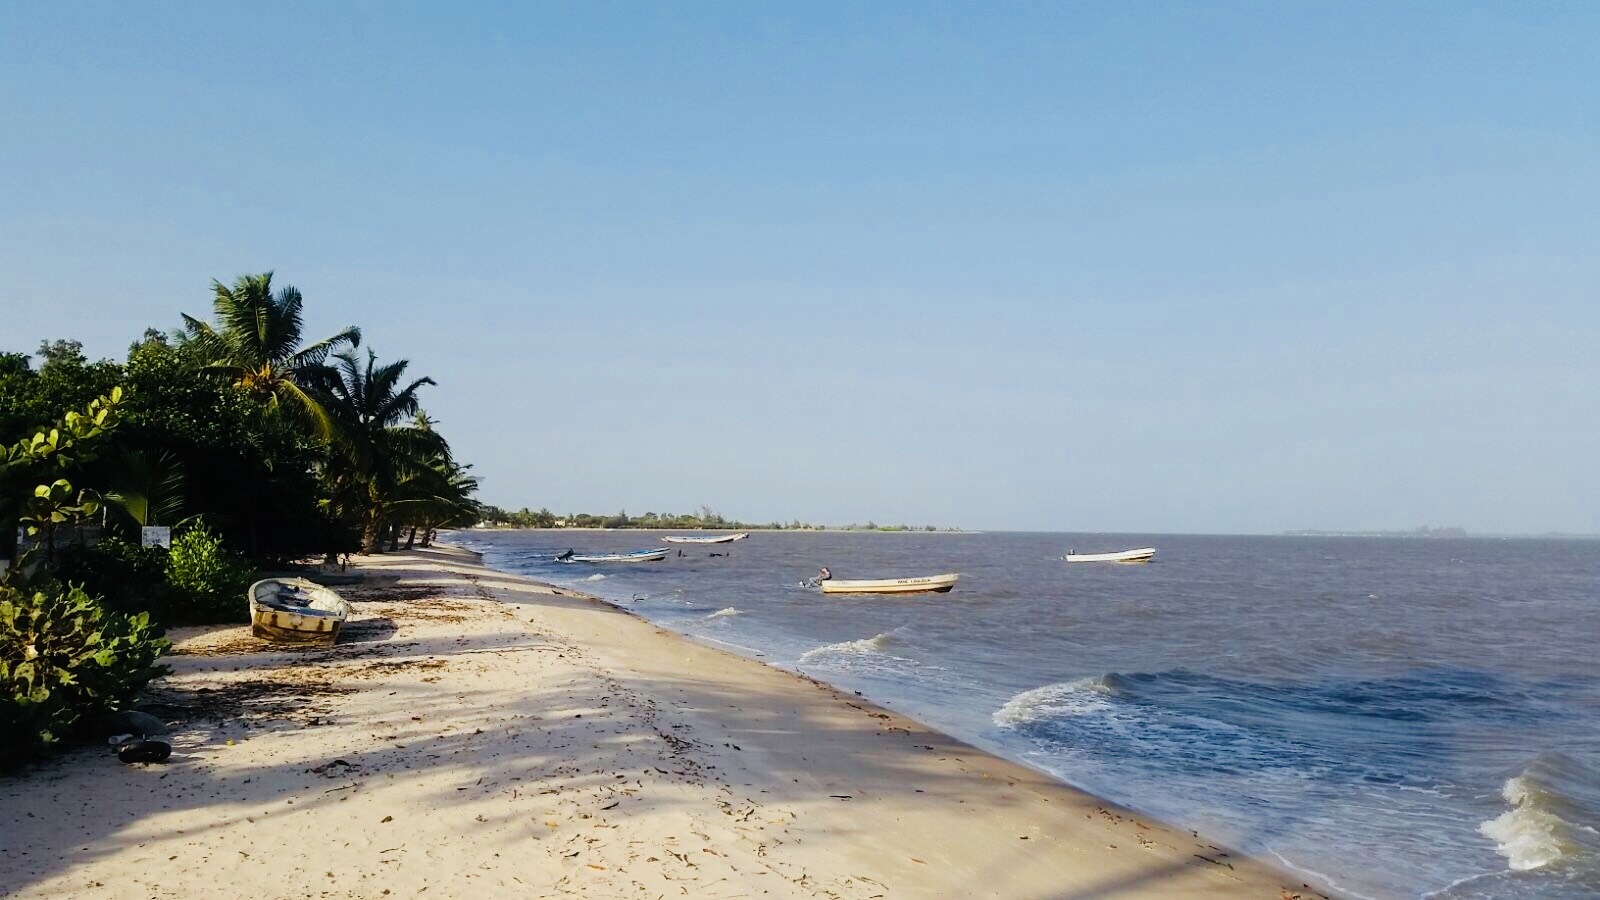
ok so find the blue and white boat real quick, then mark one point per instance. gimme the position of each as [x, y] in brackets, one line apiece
[636, 556]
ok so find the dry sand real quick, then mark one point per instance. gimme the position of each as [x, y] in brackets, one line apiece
[480, 735]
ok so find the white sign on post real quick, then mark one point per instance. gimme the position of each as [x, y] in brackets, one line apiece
[155, 536]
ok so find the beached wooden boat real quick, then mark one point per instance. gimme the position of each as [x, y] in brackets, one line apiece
[637, 556]
[294, 610]
[1141, 555]
[925, 584]
[707, 539]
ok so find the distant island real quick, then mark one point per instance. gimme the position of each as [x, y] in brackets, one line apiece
[706, 519]
[1422, 531]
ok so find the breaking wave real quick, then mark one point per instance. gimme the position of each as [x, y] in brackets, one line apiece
[872, 646]
[595, 577]
[867, 655]
[1068, 698]
[1549, 822]
[726, 612]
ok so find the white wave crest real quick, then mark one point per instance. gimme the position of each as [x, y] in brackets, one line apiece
[726, 613]
[595, 577]
[1082, 697]
[873, 646]
[1530, 835]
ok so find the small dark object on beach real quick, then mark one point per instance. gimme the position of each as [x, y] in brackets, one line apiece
[144, 751]
[131, 721]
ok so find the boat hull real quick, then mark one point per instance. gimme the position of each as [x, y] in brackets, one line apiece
[715, 539]
[596, 559]
[296, 611]
[1141, 555]
[288, 628]
[927, 584]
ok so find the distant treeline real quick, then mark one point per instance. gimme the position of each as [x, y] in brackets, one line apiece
[1448, 531]
[706, 518]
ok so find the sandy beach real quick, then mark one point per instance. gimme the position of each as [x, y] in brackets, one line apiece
[476, 734]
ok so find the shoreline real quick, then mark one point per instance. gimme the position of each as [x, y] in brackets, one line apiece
[479, 731]
[750, 529]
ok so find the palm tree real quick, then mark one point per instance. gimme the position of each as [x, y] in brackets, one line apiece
[431, 497]
[256, 343]
[374, 453]
[432, 493]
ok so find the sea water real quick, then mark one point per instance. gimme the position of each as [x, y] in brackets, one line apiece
[1387, 717]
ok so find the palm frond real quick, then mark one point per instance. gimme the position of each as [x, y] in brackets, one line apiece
[403, 403]
[228, 370]
[284, 325]
[241, 311]
[201, 339]
[307, 407]
[149, 489]
[317, 354]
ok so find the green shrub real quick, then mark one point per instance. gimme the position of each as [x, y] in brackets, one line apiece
[128, 577]
[63, 660]
[209, 579]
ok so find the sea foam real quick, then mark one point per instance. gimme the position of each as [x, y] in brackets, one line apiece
[867, 647]
[595, 577]
[1543, 826]
[726, 612]
[1081, 697]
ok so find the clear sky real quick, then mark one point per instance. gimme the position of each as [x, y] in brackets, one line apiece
[1101, 266]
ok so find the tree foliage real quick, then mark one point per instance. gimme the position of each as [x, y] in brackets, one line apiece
[256, 345]
[282, 448]
[256, 447]
[63, 659]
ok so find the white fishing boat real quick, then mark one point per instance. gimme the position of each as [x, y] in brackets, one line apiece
[636, 556]
[294, 610]
[937, 584]
[1141, 555]
[705, 539]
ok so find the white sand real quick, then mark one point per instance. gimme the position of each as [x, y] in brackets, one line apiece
[479, 735]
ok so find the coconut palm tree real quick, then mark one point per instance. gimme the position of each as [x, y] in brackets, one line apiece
[374, 453]
[256, 343]
[432, 493]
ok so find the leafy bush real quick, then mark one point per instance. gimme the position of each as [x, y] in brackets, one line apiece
[209, 579]
[64, 659]
[131, 578]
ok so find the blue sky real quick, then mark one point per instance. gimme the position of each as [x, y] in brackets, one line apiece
[1173, 267]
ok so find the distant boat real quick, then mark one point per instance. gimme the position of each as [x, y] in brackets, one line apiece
[937, 584]
[294, 610]
[707, 539]
[1141, 555]
[637, 556]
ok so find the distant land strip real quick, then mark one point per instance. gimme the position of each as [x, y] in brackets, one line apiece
[706, 519]
[1422, 531]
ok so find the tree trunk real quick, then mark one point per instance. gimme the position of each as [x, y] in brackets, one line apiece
[427, 537]
[411, 539]
[372, 535]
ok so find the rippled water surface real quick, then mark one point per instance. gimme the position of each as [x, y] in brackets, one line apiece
[1394, 718]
